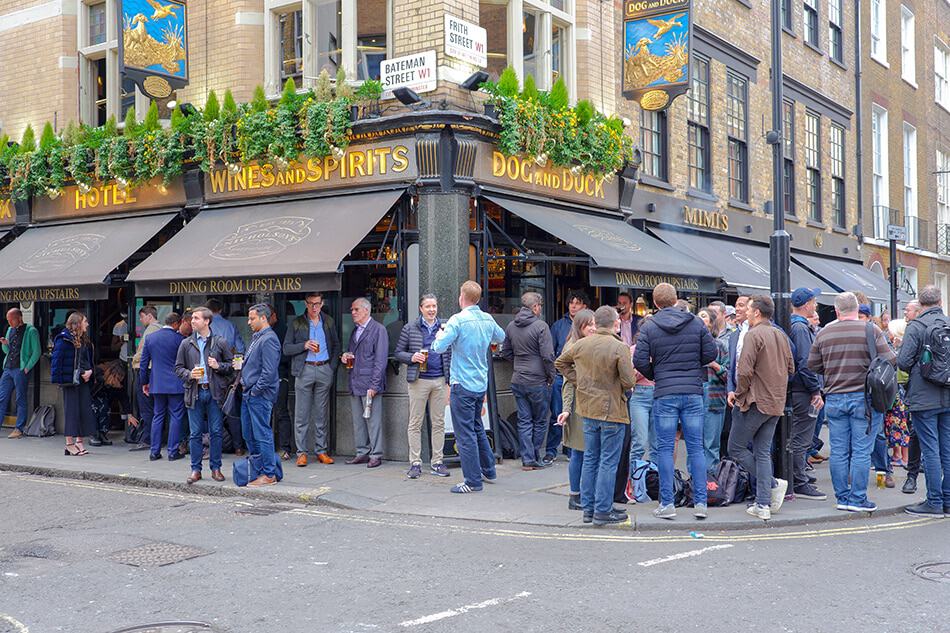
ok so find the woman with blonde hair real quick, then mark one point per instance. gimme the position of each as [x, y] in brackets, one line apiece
[71, 368]
[573, 426]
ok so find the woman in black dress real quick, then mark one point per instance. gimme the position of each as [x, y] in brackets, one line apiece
[71, 368]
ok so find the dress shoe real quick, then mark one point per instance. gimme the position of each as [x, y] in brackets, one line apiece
[574, 502]
[263, 480]
[910, 485]
[194, 476]
[302, 460]
[359, 459]
[95, 441]
[15, 434]
[239, 452]
[174, 457]
[375, 462]
[104, 439]
[609, 518]
[285, 456]
[217, 475]
[140, 447]
[154, 457]
[323, 458]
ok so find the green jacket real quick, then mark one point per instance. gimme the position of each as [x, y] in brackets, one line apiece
[29, 350]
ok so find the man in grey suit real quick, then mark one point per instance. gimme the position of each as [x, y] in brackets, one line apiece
[365, 358]
[314, 347]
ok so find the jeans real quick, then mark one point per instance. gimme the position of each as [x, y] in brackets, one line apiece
[851, 445]
[14, 380]
[475, 453]
[205, 417]
[685, 410]
[555, 433]
[255, 425]
[640, 408]
[172, 407]
[533, 419]
[880, 460]
[933, 431]
[574, 468]
[754, 427]
[603, 442]
[712, 438]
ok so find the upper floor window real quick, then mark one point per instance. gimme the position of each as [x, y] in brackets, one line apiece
[836, 145]
[811, 21]
[908, 47]
[879, 30]
[698, 152]
[787, 14]
[910, 184]
[788, 153]
[102, 91]
[941, 73]
[813, 164]
[654, 143]
[737, 99]
[835, 31]
[943, 189]
[880, 195]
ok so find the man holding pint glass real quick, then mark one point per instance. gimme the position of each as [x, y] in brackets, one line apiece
[312, 343]
[204, 366]
[427, 373]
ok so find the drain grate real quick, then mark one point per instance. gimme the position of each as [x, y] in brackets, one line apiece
[937, 572]
[263, 511]
[169, 627]
[157, 555]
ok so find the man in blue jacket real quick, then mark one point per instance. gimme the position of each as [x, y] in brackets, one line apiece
[805, 386]
[260, 379]
[673, 350]
[366, 358]
[159, 381]
[577, 300]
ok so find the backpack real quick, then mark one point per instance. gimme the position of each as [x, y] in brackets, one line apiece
[715, 496]
[935, 358]
[244, 471]
[508, 434]
[729, 479]
[880, 383]
[638, 480]
[682, 493]
[42, 423]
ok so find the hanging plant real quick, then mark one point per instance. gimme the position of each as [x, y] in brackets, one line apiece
[255, 128]
[284, 147]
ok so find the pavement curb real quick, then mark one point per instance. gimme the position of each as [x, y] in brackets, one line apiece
[687, 521]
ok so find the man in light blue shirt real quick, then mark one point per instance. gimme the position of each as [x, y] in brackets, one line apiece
[223, 327]
[469, 333]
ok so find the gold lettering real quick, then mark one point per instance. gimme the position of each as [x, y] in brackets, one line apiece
[253, 172]
[217, 178]
[383, 153]
[267, 176]
[5, 212]
[400, 158]
[357, 160]
[497, 164]
[313, 170]
[525, 171]
[240, 179]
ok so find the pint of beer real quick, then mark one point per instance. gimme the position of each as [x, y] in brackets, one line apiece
[237, 362]
[348, 359]
[198, 372]
[424, 365]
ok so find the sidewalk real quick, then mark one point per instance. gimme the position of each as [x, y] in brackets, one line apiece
[528, 498]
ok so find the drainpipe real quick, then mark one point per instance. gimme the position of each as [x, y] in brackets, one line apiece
[859, 119]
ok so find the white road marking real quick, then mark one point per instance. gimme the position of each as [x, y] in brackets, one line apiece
[451, 613]
[19, 627]
[682, 555]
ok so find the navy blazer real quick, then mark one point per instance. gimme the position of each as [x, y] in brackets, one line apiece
[160, 351]
[371, 352]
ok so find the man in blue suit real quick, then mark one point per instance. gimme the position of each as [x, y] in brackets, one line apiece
[159, 380]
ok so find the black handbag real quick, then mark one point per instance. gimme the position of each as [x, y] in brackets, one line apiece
[232, 401]
[77, 373]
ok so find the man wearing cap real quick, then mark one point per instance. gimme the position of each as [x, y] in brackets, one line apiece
[805, 386]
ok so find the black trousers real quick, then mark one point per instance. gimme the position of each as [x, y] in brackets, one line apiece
[283, 417]
[913, 450]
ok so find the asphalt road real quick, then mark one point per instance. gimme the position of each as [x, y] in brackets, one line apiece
[65, 545]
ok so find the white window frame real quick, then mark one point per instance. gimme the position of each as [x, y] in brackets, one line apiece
[880, 194]
[910, 182]
[548, 15]
[89, 53]
[943, 186]
[835, 25]
[940, 280]
[941, 73]
[908, 47]
[811, 5]
[909, 275]
[878, 21]
[349, 36]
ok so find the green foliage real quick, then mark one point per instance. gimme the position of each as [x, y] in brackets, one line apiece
[131, 125]
[530, 89]
[323, 89]
[288, 97]
[259, 100]
[371, 90]
[343, 89]
[585, 112]
[151, 118]
[48, 137]
[508, 83]
[111, 127]
[212, 109]
[229, 108]
[558, 99]
[28, 142]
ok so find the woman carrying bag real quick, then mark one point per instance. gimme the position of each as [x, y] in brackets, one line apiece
[573, 437]
[71, 368]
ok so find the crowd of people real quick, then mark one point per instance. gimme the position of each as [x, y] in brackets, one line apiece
[593, 383]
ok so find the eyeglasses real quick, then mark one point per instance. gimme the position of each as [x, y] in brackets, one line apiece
[314, 304]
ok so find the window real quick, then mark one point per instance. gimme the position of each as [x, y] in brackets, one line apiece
[813, 165]
[304, 37]
[908, 280]
[879, 31]
[836, 142]
[787, 15]
[102, 92]
[940, 280]
[698, 131]
[653, 143]
[941, 74]
[879, 186]
[908, 48]
[811, 22]
[545, 50]
[943, 187]
[788, 163]
[910, 184]
[835, 31]
[737, 92]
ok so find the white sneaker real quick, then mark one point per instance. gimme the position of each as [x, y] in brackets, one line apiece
[759, 512]
[778, 495]
[665, 511]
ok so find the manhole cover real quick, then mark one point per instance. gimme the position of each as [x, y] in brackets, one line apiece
[169, 627]
[157, 555]
[262, 511]
[937, 572]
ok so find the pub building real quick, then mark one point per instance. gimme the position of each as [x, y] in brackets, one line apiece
[418, 203]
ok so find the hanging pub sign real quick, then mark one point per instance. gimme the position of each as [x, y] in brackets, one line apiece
[657, 36]
[153, 47]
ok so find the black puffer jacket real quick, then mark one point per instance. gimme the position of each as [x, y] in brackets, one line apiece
[673, 349]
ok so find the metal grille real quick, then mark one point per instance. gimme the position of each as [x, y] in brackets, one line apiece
[937, 572]
[157, 555]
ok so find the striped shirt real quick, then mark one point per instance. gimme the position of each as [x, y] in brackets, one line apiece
[840, 354]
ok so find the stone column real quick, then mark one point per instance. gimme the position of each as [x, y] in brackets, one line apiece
[443, 246]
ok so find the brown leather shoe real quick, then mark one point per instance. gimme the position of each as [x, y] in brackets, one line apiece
[375, 462]
[217, 475]
[359, 459]
[323, 458]
[302, 460]
[15, 434]
[195, 476]
[239, 452]
[263, 480]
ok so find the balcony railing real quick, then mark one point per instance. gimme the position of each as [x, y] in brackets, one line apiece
[884, 216]
[943, 239]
